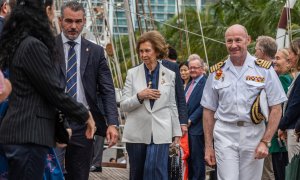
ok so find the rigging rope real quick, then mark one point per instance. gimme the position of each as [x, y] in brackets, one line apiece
[121, 45]
[186, 33]
[166, 24]
[201, 29]
[289, 22]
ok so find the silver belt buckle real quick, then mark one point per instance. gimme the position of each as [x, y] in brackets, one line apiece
[240, 123]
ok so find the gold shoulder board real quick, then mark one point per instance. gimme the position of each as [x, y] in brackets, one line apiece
[263, 63]
[216, 67]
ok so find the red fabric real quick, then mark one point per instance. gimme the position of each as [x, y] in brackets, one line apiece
[185, 151]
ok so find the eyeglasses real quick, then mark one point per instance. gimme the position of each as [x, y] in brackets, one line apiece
[195, 68]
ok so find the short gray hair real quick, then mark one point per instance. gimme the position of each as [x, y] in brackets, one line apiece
[267, 45]
[193, 57]
[74, 6]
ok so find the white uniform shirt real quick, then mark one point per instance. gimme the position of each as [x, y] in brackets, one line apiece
[232, 95]
[80, 97]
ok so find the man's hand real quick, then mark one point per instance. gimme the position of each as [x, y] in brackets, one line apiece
[59, 145]
[176, 140]
[297, 134]
[282, 135]
[5, 87]
[90, 127]
[112, 135]
[210, 157]
[189, 123]
[69, 130]
[184, 129]
[261, 151]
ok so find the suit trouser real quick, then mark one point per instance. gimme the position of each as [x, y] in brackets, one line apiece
[280, 160]
[78, 154]
[148, 162]
[26, 161]
[97, 150]
[235, 150]
[293, 146]
[196, 160]
[268, 172]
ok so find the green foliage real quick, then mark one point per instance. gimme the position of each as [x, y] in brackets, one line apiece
[260, 17]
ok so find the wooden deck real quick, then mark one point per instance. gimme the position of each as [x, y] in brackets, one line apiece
[110, 173]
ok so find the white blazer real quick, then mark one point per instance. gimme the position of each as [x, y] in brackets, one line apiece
[162, 120]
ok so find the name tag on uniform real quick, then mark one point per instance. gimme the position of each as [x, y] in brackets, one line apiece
[255, 78]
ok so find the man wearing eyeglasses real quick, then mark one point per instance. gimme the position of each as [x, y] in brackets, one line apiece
[193, 95]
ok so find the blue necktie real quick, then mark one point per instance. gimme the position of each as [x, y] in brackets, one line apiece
[72, 70]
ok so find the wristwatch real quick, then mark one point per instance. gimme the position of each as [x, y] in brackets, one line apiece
[267, 143]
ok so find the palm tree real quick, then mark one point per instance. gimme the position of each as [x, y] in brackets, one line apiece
[260, 17]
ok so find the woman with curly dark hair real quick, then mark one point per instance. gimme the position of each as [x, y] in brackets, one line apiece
[27, 49]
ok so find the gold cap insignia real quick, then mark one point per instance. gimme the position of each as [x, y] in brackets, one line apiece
[259, 110]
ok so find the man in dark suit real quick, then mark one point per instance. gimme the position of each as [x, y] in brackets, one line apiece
[193, 96]
[180, 99]
[27, 130]
[93, 86]
[172, 55]
[170, 63]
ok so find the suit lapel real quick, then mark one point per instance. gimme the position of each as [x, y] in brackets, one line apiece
[142, 83]
[84, 56]
[195, 90]
[62, 61]
[159, 86]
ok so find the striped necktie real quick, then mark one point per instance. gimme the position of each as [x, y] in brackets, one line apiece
[72, 70]
[189, 91]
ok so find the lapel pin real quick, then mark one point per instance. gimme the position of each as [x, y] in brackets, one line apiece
[87, 49]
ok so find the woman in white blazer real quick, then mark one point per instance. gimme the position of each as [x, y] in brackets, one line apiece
[152, 119]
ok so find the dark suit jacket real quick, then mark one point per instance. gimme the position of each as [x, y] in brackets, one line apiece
[195, 110]
[180, 98]
[97, 82]
[292, 113]
[1, 24]
[35, 96]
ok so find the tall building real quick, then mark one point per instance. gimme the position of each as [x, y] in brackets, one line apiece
[144, 15]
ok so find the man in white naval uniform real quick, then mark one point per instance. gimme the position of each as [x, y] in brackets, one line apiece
[232, 140]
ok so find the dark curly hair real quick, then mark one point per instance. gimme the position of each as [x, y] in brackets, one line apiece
[28, 18]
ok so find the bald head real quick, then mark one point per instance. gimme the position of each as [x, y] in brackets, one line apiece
[237, 41]
[237, 28]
